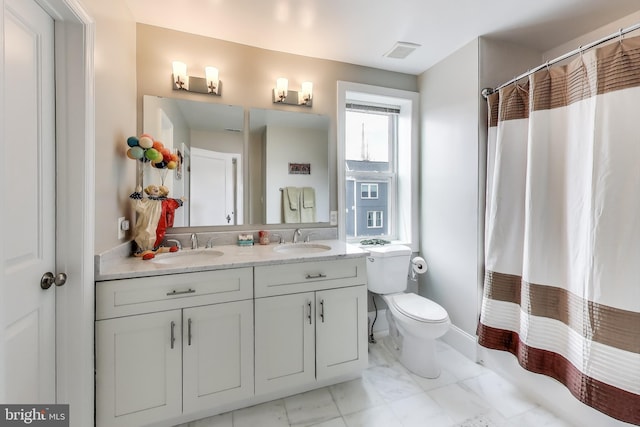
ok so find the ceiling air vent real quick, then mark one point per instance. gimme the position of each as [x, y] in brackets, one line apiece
[401, 50]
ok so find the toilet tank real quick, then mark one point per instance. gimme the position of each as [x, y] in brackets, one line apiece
[387, 268]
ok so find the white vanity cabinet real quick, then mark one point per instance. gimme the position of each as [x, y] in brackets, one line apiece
[310, 323]
[172, 345]
[138, 373]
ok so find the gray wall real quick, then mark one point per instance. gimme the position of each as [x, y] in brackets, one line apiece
[449, 184]
[453, 158]
[115, 114]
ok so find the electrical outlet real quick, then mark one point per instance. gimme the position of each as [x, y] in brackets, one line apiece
[122, 231]
[333, 218]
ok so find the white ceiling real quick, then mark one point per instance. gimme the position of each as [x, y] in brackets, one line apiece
[361, 31]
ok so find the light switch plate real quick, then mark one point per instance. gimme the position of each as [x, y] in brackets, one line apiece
[122, 231]
[333, 218]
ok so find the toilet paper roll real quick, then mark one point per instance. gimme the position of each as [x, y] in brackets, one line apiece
[419, 265]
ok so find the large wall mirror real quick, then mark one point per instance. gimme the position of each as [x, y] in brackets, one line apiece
[274, 172]
[289, 163]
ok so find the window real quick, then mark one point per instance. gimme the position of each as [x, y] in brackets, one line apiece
[370, 155]
[374, 219]
[377, 154]
[369, 191]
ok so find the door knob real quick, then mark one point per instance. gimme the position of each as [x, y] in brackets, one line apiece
[49, 279]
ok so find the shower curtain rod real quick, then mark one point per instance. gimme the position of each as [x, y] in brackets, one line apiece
[488, 91]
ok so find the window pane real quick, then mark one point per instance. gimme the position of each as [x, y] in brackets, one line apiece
[367, 141]
[364, 191]
[374, 219]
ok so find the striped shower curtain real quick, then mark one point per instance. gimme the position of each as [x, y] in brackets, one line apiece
[562, 280]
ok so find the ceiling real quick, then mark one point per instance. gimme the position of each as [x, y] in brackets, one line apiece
[362, 31]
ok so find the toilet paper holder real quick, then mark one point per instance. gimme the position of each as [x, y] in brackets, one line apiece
[418, 266]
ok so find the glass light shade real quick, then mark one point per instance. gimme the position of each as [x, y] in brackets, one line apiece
[211, 74]
[307, 91]
[180, 74]
[282, 87]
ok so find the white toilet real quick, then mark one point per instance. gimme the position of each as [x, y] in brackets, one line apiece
[414, 321]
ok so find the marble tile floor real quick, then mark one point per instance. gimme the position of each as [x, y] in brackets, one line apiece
[465, 395]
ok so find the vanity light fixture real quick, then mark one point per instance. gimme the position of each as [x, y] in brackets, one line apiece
[211, 74]
[281, 90]
[210, 84]
[180, 76]
[283, 95]
[307, 92]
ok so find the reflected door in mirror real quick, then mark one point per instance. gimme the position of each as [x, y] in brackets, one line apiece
[215, 188]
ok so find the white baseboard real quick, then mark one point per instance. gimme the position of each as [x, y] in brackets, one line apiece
[462, 341]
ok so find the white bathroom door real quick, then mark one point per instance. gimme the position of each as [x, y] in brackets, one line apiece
[27, 311]
[212, 188]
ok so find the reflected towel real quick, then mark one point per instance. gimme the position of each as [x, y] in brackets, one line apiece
[290, 204]
[308, 197]
[308, 211]
[293, 193]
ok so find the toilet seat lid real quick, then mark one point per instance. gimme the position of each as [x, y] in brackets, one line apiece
[419, 308]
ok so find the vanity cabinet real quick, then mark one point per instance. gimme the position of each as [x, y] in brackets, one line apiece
[177, 347]
[311, 323]
[138, 372]
[172, 345]
[217, 352]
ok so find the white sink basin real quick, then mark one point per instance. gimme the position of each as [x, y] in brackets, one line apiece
[301, 248]
[187, 257]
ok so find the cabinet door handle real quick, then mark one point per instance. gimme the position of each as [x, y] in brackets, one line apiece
[315, 276]
[189, 331]
[173, 335]
[322, 310]
[309, 315]
[174, 292]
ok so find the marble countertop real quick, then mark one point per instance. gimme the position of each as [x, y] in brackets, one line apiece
[233, 256]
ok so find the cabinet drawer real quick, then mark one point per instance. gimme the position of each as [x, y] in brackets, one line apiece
[126, 297]
[309, 276]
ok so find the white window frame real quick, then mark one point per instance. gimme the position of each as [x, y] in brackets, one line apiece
[369, 186]
[378, 219]
[406, 221]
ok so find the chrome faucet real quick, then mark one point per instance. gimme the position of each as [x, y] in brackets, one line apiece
[177, 242]
[194, 241]
[296, 233]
